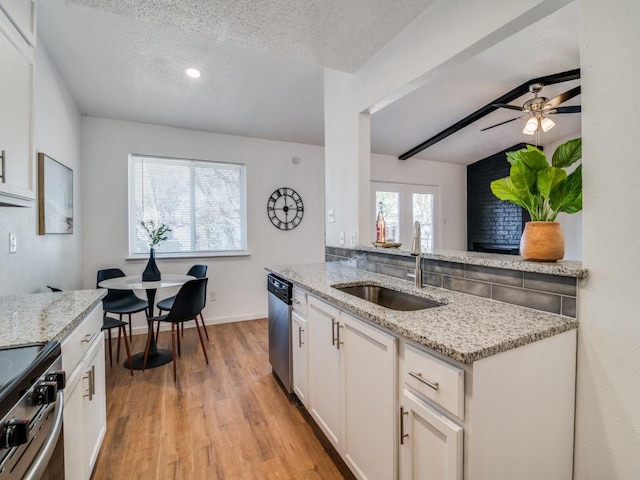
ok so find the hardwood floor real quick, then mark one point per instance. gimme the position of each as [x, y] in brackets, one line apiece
[227, 420]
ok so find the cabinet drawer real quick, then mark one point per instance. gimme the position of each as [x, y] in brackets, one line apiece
[78, 341]
[435, 379]
[299, 301]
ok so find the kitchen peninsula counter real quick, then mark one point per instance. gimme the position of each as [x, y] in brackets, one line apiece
[466, 328]
[41, 317]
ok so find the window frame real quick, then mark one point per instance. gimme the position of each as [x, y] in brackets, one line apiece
[405, 208]
[243, 251]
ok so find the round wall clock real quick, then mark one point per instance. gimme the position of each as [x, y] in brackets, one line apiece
[285, 208]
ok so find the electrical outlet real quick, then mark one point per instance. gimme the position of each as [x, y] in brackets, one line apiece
[13, 243]
[331, 216]
[341, 238]
[212, 295]
[353, 239]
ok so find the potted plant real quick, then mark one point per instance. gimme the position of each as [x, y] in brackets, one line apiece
[544, 191]
[157, 235]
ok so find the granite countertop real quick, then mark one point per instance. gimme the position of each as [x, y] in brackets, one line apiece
[41, 317]
[563, 268]
[466, 328]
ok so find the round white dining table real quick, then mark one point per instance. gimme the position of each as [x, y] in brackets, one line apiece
[156, 356]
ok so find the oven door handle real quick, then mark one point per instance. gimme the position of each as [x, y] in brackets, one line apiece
[41, 462]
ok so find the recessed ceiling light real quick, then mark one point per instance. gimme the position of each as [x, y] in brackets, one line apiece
[193, 72]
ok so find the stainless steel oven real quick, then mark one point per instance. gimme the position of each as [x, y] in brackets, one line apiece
[31, 408]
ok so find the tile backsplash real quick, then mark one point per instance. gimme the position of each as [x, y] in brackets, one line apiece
[549, 293]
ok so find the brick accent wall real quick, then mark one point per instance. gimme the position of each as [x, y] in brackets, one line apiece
[490, 221]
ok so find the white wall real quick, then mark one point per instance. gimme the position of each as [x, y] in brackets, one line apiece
[49, 259]
[451, 180]
[239, 282]
[571, 225]
[608, 402]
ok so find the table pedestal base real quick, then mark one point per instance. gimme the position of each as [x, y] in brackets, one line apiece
[160, 357]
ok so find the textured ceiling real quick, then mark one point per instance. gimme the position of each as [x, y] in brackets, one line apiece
[262, 73]
[546, 47]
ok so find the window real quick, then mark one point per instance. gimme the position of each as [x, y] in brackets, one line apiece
[204, 204]
[402, 205]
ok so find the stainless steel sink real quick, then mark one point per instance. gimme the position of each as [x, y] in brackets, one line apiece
[388, 298]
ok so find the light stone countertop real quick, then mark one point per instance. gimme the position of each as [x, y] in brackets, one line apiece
[563, 268]
[41, 317]
[466, 328]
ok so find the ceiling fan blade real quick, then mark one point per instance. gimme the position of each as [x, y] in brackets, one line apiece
[504, 105]
[572, 109]
[563, 97]
[502, 123]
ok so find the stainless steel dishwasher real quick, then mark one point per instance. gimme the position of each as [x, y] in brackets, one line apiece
[279, 293]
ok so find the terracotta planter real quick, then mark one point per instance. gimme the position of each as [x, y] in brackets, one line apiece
[542, 242]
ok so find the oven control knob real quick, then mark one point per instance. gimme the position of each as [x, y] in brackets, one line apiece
[59, 376]
[44, 393]
[15, 432]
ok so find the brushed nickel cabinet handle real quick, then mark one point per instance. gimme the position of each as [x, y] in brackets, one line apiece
[333, 331]
[300, 342]
[296, 301]
[338, 342]
[402, 434]
[3, 173]
[418, 376]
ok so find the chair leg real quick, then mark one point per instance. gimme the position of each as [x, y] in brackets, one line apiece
[110, 359]
[178, 331]
[202, 341]
[173, 349]
[130, 334]
[146, 350]
[118, 349]
[122, 330]
[203, 325]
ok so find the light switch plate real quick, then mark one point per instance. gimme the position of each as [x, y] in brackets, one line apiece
[341, 238]
[13, 243]
[331, 216]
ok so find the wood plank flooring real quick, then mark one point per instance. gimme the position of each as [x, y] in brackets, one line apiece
[227, 420]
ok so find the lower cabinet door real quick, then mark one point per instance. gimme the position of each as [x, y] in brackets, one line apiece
[369, 359]
[95, 404]
[431, 444]
[75, 451]
[325, 370]
[300, 357]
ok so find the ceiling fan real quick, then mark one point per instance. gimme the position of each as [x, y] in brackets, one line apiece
[537, 109]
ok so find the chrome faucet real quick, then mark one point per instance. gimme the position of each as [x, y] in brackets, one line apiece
[416, 251]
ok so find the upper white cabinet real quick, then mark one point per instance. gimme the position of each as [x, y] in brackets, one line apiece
[22, 14]
[17, 161]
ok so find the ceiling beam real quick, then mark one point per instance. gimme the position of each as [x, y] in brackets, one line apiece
[487, 109]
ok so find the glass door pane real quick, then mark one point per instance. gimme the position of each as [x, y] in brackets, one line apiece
[422, 208]
[390, 204]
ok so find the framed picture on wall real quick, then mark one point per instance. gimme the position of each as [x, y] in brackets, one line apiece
[55, 196]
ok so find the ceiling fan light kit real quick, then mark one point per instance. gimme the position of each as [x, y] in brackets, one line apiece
[531, 126]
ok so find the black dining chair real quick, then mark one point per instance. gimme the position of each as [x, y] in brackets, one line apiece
[198, 271]
[120, 302]
[187, 305]
[107, 324]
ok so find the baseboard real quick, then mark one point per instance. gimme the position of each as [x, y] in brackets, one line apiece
[140, 330]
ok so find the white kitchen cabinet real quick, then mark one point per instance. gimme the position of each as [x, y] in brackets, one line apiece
[300, 357]
[431, 444]
[352, 389]
[17, 168]
[325, 370]
[22, 14]
[85, 419]
[369, 363]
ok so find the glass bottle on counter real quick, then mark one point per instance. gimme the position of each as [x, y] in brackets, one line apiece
[380, 226]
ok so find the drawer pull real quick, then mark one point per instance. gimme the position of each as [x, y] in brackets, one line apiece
[300, 342]
[339, 342]
[88, 338]
[418, 376]
[333, 331]
[296, 301]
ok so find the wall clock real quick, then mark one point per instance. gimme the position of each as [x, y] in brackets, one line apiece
[285, 208]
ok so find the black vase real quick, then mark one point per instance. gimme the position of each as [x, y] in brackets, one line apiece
[151, 272]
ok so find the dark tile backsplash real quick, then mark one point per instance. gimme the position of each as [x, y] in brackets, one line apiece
[550, 293]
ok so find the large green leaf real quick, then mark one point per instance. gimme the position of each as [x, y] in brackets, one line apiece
[522, 177]
[568, 153]
[532, 157]
[567, 195]
[504, 189]
[548, 178]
